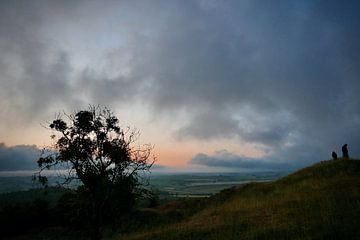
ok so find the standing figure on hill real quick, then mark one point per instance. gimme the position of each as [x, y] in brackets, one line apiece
[334, 155]
[345, 151]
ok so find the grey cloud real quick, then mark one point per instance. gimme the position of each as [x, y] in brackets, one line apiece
[20, 157]
[271, 129]
[226, 159]
[291, 58]
[209, 125]
[35, 77]
[285, 157]
[294, 64]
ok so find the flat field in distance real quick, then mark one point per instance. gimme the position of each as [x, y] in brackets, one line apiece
[205, 184]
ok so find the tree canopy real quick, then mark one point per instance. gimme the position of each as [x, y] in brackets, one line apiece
[90, 146]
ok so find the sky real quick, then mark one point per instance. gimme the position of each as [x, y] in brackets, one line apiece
[241, 85]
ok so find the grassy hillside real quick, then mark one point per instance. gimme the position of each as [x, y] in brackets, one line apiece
[318, 202]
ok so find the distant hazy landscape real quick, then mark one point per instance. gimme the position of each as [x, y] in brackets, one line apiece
[206, 184]
[166, 184]
[317, 202]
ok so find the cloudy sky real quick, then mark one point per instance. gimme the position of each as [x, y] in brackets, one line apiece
[216, 85]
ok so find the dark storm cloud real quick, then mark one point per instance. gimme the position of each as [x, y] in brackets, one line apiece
[34, 75]
[272, 58]
[21, 157]
[291, 59]
[280, 74]
[225, 159]
[270, 129]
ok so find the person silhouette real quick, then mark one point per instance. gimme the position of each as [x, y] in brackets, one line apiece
[345, 151]
[334, 155]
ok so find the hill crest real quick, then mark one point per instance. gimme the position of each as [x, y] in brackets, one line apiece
[317, 202]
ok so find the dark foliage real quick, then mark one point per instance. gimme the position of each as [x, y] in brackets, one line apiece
[91, 147]
[18, 218]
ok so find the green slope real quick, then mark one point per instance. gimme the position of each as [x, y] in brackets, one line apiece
[318, 202]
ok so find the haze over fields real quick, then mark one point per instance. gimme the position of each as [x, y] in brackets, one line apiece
[214, 85]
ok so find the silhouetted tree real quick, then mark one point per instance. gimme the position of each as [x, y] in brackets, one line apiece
[90, 146]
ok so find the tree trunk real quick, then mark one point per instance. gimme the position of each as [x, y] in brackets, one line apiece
[95, 219]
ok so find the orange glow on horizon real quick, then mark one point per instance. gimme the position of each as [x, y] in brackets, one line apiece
[168, 151]
[173, 158]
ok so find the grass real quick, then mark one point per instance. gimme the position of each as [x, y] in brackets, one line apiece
[318, 202]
